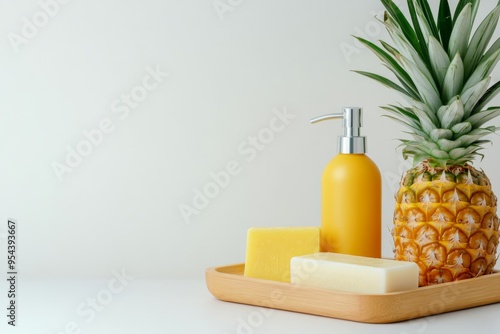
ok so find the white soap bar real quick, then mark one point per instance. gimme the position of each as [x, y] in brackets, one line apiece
[353, 273]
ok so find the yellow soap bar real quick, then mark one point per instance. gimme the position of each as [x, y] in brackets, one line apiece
[354, 273]
[270, 249]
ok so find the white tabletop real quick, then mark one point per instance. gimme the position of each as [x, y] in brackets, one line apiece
[186, 306]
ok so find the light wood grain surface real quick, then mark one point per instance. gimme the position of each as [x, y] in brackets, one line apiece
[227, 283]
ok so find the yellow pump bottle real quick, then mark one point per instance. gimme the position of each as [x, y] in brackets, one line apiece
[351, 193]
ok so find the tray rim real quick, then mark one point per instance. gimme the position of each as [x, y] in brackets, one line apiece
[227, 283]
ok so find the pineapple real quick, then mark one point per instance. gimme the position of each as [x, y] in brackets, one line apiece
[445, 217]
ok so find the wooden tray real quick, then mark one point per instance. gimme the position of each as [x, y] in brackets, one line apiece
[228, 283]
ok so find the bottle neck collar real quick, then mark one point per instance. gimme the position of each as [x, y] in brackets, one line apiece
[352, 145]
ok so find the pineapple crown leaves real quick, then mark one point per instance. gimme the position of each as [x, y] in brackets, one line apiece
[443, 71]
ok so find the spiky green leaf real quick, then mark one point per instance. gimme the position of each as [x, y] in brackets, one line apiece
[439, 59]
[472, 95]
[418, 158]
[392, 65]
[408, 125]
[426, 146]
[460, 6]
[426, 123]
[447, 145]
[454, 78]
[445, 23]
[406, 49]
[429, 17]
[438, 134]
[460, 34]
[412, 125]
[480, 40]
[487, 97]
[474, 135]
[405, 113]
[416, 137]
[406, 28]
[425, 108]
[482, 117]
[493, 48]
[426, 18]
[483, 70]
[461, 152]
[461, 129]
[401, 74]
[451, 114]
[386, 82]
[440, 154]
[422, 40]
[427, 89]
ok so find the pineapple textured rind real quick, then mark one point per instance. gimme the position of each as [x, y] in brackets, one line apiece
[450, 229]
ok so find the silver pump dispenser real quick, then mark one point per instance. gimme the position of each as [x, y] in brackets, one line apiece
[351, 142]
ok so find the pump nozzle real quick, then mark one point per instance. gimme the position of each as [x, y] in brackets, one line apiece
[326, 117]
[351, 141]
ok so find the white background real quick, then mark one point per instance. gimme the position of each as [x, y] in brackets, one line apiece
[229, 73]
